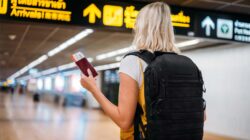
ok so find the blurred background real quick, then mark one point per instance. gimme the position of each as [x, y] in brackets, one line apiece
[40, 94]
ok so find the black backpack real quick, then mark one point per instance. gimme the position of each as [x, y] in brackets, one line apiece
[173, 96]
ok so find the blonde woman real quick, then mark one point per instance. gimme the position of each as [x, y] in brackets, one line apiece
[153, 34]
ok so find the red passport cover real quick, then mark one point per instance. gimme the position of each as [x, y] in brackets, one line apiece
[83, 64]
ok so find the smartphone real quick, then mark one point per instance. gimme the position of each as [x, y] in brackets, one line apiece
[83, 64]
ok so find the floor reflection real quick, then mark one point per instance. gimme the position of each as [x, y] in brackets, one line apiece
[22, 119]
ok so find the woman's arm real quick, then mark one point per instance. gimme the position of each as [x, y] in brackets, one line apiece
[122, 114]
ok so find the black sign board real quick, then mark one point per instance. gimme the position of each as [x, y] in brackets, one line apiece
[120, 16]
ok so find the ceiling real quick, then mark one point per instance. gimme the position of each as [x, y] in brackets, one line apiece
[35, 39]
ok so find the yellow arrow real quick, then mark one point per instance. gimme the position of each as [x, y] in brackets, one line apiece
[93, 12]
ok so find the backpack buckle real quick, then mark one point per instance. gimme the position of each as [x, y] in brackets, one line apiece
[204, 88]
[204, 104]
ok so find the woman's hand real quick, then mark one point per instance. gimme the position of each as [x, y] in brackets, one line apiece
[89, 83]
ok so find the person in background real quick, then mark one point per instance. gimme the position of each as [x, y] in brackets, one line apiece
[12, 90]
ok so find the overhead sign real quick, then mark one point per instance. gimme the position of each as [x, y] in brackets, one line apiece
[37, 9]
[222, 26]
[121, 15]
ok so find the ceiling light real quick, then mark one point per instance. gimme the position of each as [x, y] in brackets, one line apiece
[12, 37]
[38, 61]
[29, 66]
[188, 43]
[126, 50]
[90, 59]
[37, 74]
[33, 71]
[114, 53]
[24, 78]
[71, 65]
[66, 66]
[49, 71]
[118, 58]
[70, 42]
[6, 53]
[108, 66]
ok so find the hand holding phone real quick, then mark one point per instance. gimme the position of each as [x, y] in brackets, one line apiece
[82, 62]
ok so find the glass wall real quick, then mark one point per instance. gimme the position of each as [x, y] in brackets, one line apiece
[110, 84]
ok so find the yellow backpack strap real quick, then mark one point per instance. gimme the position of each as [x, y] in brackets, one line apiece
[139, 109]
[141, 70]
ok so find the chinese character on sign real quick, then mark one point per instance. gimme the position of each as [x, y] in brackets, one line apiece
[113, 15]
[130, 16]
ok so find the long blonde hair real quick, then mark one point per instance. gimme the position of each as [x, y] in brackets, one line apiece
[154, 30]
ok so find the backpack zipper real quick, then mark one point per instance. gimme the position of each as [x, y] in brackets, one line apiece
[178, 83]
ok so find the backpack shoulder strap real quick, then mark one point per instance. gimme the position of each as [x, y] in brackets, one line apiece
[145, 55]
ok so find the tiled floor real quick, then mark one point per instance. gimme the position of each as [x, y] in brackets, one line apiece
[21, 119]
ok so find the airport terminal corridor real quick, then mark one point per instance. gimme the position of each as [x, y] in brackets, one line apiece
[46, 46]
